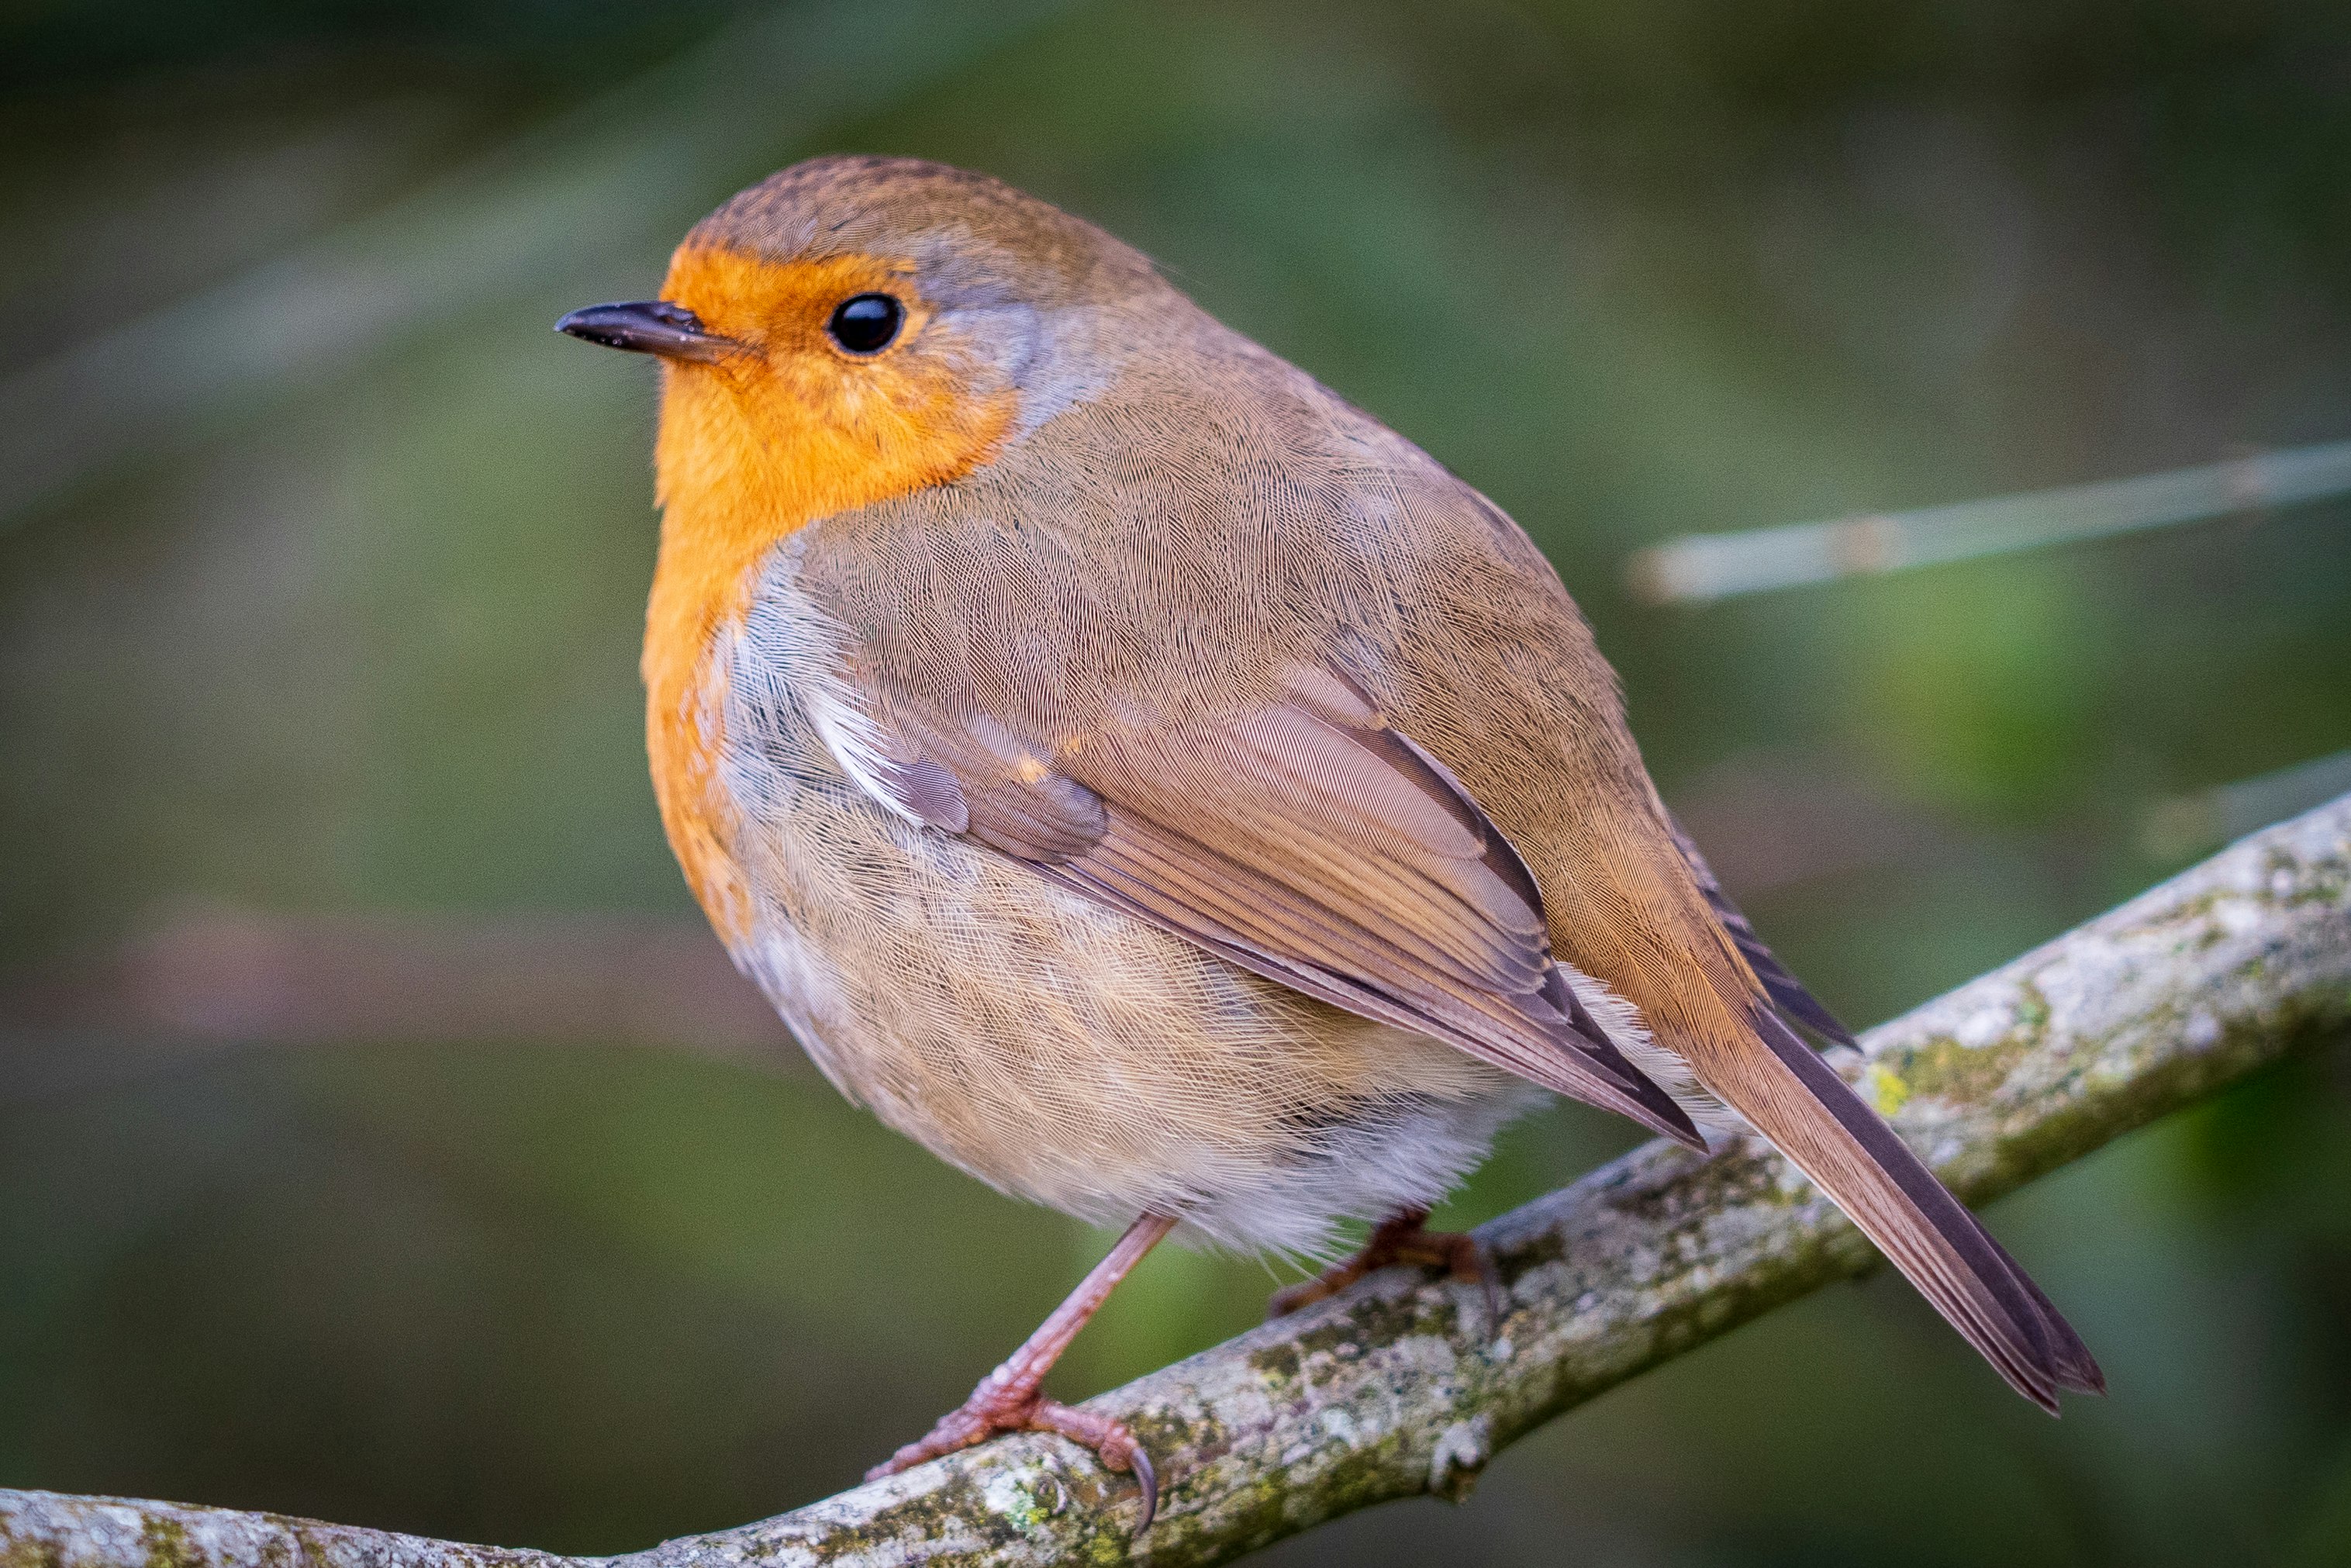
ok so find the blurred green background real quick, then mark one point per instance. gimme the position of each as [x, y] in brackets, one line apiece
[381, 1138]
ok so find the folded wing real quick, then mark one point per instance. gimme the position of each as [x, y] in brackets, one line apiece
[1305, 840]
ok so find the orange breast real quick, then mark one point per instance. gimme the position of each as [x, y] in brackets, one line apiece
[750, 451]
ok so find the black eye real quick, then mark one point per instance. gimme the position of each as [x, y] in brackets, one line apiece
[866, 324]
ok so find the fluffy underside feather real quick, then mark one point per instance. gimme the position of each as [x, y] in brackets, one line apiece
[1147, 1074]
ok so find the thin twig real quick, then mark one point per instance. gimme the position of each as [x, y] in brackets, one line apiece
[1698, 568]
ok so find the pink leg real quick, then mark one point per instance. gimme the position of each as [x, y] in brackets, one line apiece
[1008, 1399]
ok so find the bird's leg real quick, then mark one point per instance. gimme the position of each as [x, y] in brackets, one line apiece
[1010, 1399]
[1398, 1238]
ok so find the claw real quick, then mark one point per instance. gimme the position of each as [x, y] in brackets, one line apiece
[1112, 1444]
[1489, 1286]
[1140, 1462]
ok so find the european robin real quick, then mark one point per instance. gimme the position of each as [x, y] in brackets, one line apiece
[1161, 790]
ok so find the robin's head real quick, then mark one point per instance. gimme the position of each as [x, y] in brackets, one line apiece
[852, 329]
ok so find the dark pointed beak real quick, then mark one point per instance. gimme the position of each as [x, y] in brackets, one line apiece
[649, 327]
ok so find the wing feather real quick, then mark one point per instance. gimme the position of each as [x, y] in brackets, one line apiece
[1304, 840]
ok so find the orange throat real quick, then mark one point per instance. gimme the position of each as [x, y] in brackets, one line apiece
[752, 450]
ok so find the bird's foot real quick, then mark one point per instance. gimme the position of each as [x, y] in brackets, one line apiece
[990, 1410]
[1400, 1241]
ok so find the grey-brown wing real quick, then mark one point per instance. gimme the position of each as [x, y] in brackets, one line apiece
[1306, 840]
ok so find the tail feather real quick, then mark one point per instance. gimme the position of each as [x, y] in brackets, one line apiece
[1797, 1101]
[1786, 991]
[2076, 1367]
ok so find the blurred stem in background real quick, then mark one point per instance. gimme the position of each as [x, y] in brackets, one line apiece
[1720, 566]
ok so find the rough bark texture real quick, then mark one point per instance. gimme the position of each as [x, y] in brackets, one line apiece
[1399, 1386]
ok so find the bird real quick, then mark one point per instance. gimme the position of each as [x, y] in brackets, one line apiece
[1162, 790]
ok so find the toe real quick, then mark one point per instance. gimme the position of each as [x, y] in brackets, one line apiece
[1290, 1298]
[958, 1429]
[1112, 1444]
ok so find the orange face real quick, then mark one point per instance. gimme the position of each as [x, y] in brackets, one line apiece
[795, 426]
[780, 427]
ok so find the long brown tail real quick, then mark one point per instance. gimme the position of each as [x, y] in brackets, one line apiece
[1794, 1099]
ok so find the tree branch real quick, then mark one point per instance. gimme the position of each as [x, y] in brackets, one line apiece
[1398, 1386]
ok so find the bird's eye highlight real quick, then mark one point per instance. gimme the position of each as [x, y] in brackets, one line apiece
[867, 324]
